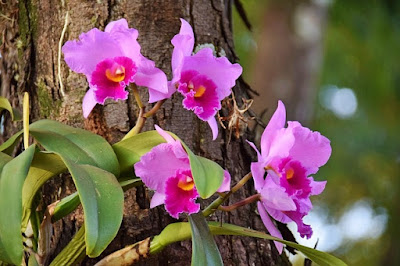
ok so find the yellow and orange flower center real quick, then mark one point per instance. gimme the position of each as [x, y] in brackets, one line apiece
[186, 183]
[116, 73]
[289, 173]
[200, 90]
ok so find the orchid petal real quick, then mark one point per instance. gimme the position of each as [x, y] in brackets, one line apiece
[212, 122]
[157, 199]
[183, 44]
[153, 170]
[276, 122]
[226, 183]
[274, 196]
[222, 72]
[83, 55]
[311, 148]
[270, 226]
[88, 102]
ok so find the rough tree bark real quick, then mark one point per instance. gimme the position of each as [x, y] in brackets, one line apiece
[30, 31]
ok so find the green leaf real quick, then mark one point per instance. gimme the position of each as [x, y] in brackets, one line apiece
[12, 178]
[71, 202]
[44, 166]
[9, 145]
[74, 252]
[204, 248]
[207, 175]
[4, 159]
[130, 150]
[5, 105]
[181, 231]
[81, 146]
[102, 200]
[317, 256]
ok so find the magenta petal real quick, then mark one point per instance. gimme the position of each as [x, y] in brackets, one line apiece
[277, 121]
[222, 72]
[283, 141]
[278, 215]
[304, 229]
[317, 186]
[178, 200]
[153, 169]
[168, 138]
[270, 226]
[126, 38]
[226, 183]
[311, 148]
[183, 46]
[214, 127]
[151, 77]
[94, 46]
[89, 102]
[157, 199]
[274, 196]
[257, 169]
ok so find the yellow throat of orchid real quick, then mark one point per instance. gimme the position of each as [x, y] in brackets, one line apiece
[186, 183]
[116, 73]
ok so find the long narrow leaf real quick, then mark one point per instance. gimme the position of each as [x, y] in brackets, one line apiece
[181, 231]
[204, 248]
[9, 145]
[102, 200]
[12, 178]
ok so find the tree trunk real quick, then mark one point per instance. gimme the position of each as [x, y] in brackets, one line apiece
[31, 31]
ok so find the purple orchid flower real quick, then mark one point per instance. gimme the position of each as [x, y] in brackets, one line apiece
[288, 156]
[203, 79]
[166, 170]
[111, 60]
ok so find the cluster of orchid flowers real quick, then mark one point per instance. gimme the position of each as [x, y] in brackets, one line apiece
[111, 60]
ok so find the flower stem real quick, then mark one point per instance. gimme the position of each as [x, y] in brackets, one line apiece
[213, 207]
[154, 109]
[246, 201]
[139, 125]
[137, 96]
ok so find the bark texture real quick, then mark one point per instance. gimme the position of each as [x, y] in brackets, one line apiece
[31, 30]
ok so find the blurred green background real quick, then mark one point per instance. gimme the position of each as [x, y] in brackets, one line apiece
[354, 87]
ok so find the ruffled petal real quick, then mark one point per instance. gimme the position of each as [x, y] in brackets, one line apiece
[83, 55]
[226, 182]
[183, 44]
[156, 166]
[310, 148]
[270, 226]
[89, 102]
[222, 72]
[178, 200]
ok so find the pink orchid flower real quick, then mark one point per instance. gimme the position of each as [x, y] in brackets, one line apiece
[166, 170]
[111, 60]
[203, 79]
[281, 175]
